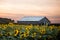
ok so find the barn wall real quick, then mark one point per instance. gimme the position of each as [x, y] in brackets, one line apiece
[45, 21]
[28, 22]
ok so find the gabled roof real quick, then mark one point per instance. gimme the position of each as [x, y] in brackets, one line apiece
[32, 18]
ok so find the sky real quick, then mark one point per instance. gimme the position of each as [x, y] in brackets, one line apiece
[16, 9]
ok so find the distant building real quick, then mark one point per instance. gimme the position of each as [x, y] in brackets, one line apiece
[40, 20]
[5, 21]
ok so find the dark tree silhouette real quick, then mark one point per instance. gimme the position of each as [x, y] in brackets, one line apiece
[5, 20]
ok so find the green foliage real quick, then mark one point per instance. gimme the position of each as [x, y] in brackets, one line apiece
[28, 32]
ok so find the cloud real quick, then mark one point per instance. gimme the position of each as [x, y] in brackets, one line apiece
[14, 8]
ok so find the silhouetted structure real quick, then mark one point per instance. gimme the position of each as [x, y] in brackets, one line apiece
[40, 20]
[5, 20]
[55, 24]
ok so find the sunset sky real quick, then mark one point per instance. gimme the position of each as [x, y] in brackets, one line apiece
[16, 9]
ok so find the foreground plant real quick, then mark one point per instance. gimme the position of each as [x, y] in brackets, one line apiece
[28, 32]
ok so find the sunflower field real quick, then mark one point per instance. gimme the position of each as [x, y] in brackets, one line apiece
[28, 32]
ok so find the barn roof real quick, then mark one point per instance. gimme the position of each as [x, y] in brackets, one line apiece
[32, 18]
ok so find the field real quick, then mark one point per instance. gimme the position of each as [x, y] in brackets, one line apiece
[28, 32]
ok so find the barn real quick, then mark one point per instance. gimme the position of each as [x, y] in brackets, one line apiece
[40, 20]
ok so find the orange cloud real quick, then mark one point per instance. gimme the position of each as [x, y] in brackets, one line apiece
[16, 9]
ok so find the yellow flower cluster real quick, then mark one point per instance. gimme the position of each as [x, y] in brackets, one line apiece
[34, 34]
[26, 30]
[43, 31]
[16, 32]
